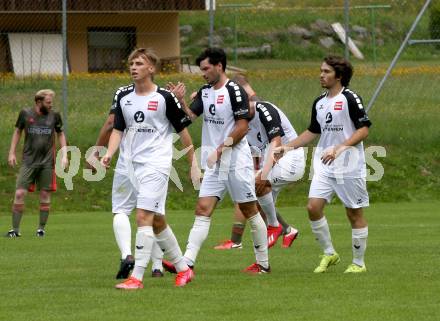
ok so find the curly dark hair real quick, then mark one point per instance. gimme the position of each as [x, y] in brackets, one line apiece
[215, 55]
[343, 68]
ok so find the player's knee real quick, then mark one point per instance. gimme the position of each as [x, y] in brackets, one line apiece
[248, 209]
[313, 209]
[264, 191]
[355, 216]
[20, 195]
[203, 209]
[44, 196]
[159, 223]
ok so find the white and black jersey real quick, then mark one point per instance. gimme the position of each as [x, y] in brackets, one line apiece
[270, 122]
[336, 119]
[147, 123]
[220, 109]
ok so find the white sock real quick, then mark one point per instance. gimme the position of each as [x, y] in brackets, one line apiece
[142, 253]
[197, 236]
[268, 206]
[168, 242]
[359, 242]
[322, 234]
[156, 257]
[122, 230]
[259, 237]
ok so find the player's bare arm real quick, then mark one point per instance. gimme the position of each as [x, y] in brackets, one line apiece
[12, 159]
[195, 172]
[240, 130]
[103, 138]
[330, 154]
[63, 146]
[180, 90]
[113, 145]
[261, 179]
[106, 131]
[302, 140]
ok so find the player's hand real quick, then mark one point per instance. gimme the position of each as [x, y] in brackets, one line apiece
[92, 159]
[330, 154]
[213, 158]
[105, 161]
[179, 90]
[64, 162]
[260, 183]
[193, 95]
[280, 151]
[196, 176]
[12, 160]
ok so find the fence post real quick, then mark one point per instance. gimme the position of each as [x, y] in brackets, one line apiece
[211, 22]
[64, 31]
[347, 28]
[399, 52]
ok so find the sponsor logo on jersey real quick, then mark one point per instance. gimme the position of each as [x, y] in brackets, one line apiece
[145, 130]
[338, 105]
[364, 119]
[274, 130]
[152, 105]
[37, 130]
[321, 107]
[220, 99]
[212, 109]
[139, 117]
[328, 118]
[213, 121]
[128, 103]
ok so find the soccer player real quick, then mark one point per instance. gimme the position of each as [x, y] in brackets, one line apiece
[121, 222]
[145, 116]
[267, 130]
[40, 124]
[226, 158]
[339, 118]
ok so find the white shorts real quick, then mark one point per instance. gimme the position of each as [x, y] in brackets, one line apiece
[240, 183]
[352, 192]
[290, 168]
[146, 189]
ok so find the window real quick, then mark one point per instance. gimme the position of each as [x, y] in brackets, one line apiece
[108, 48]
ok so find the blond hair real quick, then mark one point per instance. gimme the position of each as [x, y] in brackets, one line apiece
[41, 94]
[146, 54]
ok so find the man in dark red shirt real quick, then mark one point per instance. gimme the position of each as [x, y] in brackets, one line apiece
[39, 124]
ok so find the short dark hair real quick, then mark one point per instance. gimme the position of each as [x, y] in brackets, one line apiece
[343, 68]
[215, 55]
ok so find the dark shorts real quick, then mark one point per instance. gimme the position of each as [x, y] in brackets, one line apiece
[44, 178]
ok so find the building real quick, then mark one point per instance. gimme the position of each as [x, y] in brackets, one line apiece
[100, 33]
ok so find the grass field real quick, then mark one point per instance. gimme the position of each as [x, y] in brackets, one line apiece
[69, 275]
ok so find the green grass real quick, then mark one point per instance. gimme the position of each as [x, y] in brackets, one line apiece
[69, 275]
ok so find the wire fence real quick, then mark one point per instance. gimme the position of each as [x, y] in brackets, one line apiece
[278, 45]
